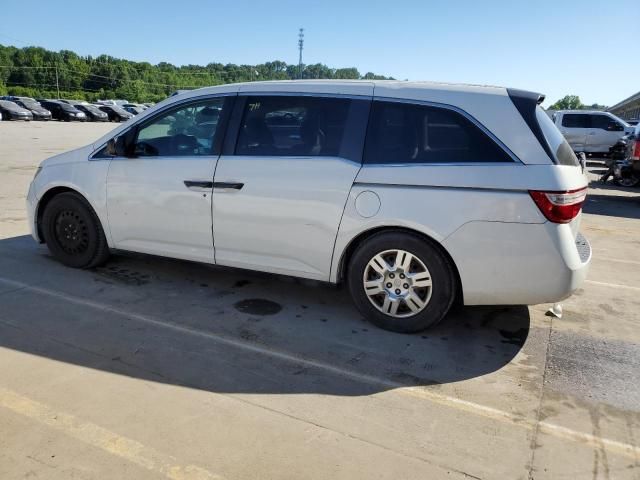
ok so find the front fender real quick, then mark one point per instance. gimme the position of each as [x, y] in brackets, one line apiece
[88, 178]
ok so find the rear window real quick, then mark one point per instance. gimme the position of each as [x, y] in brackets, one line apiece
[402, 133]
[559, 146]
[576, 120]
[293, 126]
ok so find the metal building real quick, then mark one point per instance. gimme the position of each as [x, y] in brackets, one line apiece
[627, 109]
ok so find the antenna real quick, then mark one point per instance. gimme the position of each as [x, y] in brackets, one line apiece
[300, 47]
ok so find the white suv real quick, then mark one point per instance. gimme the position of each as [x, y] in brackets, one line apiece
[412, 194]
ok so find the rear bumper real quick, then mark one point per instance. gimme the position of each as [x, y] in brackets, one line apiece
[518, 264]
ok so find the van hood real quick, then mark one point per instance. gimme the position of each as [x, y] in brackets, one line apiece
[72, 156]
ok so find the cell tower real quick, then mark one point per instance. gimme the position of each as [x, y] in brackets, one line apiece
[300, 48]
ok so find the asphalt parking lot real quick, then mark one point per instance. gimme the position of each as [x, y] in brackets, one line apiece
[155, 368]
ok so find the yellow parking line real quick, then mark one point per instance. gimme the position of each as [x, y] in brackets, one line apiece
[621, 448]
[103, 439]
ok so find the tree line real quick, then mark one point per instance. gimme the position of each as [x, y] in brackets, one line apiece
[573, 102]
[38, 72]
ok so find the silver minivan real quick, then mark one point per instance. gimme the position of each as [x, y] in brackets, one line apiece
[413, 195]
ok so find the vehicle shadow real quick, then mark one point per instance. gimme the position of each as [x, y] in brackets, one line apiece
[612, 200]
[233, 331]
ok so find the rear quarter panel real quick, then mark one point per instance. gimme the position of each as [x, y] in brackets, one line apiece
[483, 217]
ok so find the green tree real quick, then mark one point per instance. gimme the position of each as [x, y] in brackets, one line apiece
[568, 102]
[31, 71]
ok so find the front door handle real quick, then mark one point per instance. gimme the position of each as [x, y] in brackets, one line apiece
[233, 185]
[198, 184]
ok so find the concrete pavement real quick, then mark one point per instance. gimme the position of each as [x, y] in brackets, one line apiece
[155, 368]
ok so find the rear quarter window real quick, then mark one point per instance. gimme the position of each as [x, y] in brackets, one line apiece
[559, 146]
[403, 133]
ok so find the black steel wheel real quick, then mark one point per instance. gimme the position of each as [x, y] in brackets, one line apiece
[73, 232]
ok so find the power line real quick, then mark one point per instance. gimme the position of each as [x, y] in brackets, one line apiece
[112, 79]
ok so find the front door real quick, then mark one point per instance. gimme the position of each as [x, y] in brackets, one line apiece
[279, 194]
[604, 133]
[159, 201]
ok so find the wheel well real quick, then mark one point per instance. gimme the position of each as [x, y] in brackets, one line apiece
[356, 242]
[42, 205]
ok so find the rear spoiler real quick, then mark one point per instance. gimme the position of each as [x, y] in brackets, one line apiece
[526, 103]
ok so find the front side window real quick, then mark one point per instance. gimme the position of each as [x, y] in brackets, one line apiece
[576, 120]
[185, 131]
[605, 122]
[292, 126]
[406, 133]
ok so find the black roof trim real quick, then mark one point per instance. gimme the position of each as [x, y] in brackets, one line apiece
[526, 103]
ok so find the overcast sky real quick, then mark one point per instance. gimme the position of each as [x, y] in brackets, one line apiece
[587, 48]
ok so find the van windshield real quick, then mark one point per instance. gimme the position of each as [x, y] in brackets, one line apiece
[559, 146]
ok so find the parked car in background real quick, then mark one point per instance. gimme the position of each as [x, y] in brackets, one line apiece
[360, 185]
[633, 122]
[93, 113]
[115, 113]
[63, 111]
[37, 110]
[118, 103]
[133, 108]
[13, 111]
[590, 131]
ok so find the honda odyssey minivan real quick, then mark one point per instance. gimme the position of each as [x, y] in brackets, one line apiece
[413, 195]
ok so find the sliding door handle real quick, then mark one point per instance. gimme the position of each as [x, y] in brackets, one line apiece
[232, 185]
[198, 184]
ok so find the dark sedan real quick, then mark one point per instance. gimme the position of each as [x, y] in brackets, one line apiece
[116, 114]
[13, 111]
[63, 111]
[93, 113]
[37, 110]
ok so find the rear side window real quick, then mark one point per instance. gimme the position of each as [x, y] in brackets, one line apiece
[402, 133]
[293, 126]
[600, 121]
[576, 120]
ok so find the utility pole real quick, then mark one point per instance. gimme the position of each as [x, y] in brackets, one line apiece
[300, 47]
[57, 84]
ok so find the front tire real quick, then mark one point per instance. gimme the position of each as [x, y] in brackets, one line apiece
[73, 232]
[401, 282]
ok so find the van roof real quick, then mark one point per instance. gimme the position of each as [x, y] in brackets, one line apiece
[341, 86]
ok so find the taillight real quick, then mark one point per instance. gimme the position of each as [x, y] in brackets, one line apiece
[559, 207]
[635, 155]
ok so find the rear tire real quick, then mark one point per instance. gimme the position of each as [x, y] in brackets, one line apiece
[401, 282]
[73, 232]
